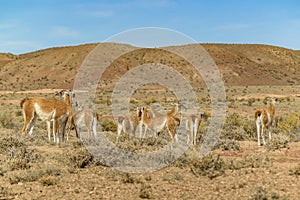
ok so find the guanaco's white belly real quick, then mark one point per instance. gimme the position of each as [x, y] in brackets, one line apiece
[44, 116]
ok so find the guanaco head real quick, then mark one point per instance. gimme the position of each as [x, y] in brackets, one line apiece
[202, 115]
[273, 100]
[139, 113]
[66, 95]
[145, 113]
[64, 92]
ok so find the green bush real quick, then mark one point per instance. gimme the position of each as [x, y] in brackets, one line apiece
[150, 101]
[7, 120]
[109, 125]
[278, 141]
[145, 191]
[211, 166]
[79, 158]
[289, 125]
[262, 194]
[295, 171]
[236, 128]
[16, 153]
[33, 175]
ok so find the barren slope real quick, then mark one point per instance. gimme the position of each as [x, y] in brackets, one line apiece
[239, 65]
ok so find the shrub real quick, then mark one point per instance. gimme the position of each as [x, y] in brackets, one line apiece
[79, 158]
[145, 191]
[150, 101]
[278, 141]
[236, 128]
[48, 180]
[295, 171]
[288, 126]
[16, 154]
[250, 162]
[109, 125]
[128, 178]
[7, 120]
[32, 175]
[211, 166]
[226, 145]
[251, 101]
[262, 194]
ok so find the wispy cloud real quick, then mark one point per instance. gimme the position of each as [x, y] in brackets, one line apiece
[7, 25]
[63, 32]
[98, 13]
[232, 26]
[122, 4]
[18, 47]
[153, 3]
[105, 10]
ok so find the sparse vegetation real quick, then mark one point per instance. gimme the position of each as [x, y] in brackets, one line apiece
[236, 128]
[262, 194]
[108, 125]
[30, 165]
[145, 191]
[211, 166]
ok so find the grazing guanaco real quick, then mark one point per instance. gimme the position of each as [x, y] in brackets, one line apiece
[192, 124]
[128, 124]
[49, 110]
[264, 118]
[156, 121]
[85, 118]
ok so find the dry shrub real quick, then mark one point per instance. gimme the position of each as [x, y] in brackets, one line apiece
[250, 162]
[183, 161]
[108, 125]
[150, 101]
[145, 191]
[49, 180]
[236, 128]
[289, 126]
[277, 142]
[7, 119]
[226, 145]
[262, 194]
[78, 158]
[16, 154]
[32, 175]
[5, 193]
[211, 166]
[129, 178]
[295, 171]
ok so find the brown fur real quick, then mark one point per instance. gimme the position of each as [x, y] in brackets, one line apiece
[156, 121]
[264, 118]
[128, 124]
[192, 125]
[87, 118]
[47, 109]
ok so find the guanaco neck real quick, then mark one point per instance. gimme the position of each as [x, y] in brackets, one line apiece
[174, 110]
[67, 99]
[145, 116]
[272, 108]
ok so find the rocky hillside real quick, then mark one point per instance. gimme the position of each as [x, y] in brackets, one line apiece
[240, 64]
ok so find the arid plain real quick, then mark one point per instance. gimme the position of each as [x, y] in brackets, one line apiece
[237, 168]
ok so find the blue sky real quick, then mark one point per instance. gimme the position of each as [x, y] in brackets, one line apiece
[31, 25]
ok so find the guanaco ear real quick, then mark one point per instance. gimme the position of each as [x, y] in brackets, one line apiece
[269, 99]
[202, 115]
[59, 94]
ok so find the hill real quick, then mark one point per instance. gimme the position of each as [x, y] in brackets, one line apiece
[240, 64]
